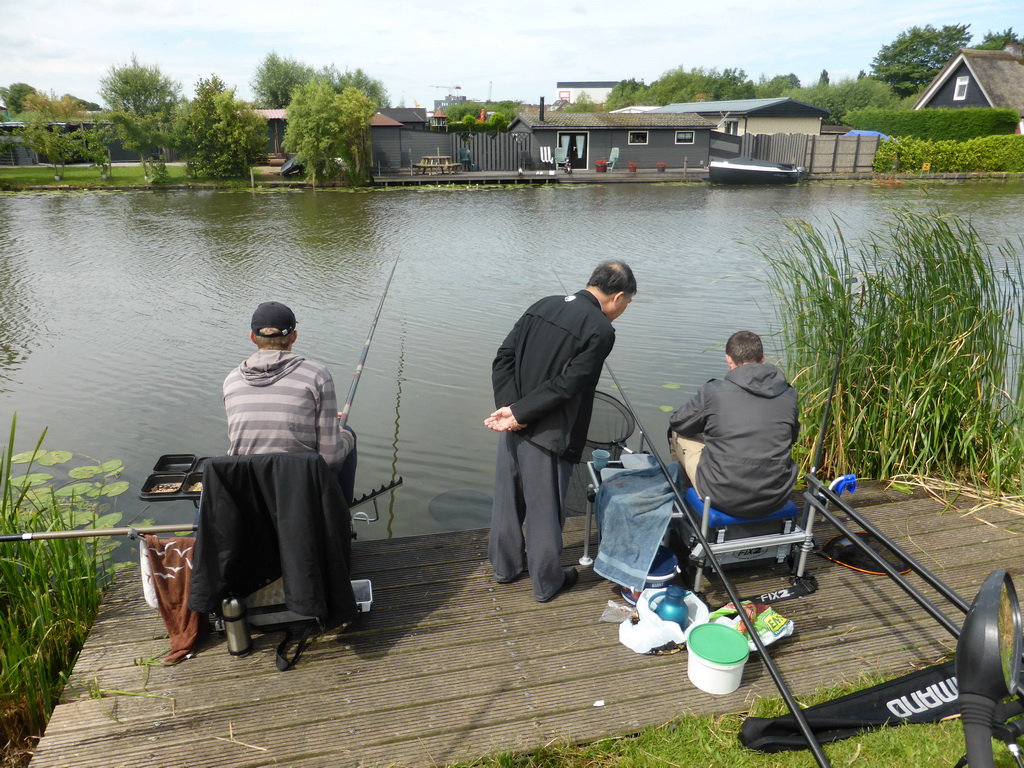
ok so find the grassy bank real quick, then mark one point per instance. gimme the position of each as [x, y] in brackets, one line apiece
[88, 177]
[49, 589]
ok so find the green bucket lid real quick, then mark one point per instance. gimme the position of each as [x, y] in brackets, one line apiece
[718, 644]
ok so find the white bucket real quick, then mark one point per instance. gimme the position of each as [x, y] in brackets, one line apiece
[717, 655]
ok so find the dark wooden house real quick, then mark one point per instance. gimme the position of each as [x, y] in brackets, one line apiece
[646, 138]
[992, 79]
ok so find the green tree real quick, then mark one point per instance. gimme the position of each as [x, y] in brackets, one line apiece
[93, 144]
[373, 89]
[779, 85]
[44, 131]
[14, 97]
[277, 78]
[996, 41]
[823, 77]
[583, 103]
[913, 59]
[221, 136]
[845, 95]
[142, 100]
[314, 129]
[356, 111]
[700, 84]
[627, 93]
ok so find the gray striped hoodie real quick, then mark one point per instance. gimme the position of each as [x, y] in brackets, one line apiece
[280, 402]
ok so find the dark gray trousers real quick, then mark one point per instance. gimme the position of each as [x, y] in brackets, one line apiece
[530, 484]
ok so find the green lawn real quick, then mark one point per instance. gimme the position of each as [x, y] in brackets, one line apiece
[88, 177]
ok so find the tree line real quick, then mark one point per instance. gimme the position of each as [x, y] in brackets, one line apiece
[329, 111]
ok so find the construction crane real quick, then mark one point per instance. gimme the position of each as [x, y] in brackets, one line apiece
[449, 87]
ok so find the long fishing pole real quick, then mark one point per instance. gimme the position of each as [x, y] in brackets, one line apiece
[343, 414]
[88, 533]
[748, 622]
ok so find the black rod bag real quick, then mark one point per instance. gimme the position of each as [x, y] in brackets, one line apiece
[925, 696]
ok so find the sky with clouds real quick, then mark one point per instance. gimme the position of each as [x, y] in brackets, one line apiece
[502, 49]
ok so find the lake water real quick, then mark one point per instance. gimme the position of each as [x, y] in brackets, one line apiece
[123, 312]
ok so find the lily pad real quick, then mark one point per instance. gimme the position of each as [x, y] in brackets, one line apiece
[115, 489]
[84, 473]
[114, 465]
[75, 489]
[27, 481]
[666, 408]
[25, 456]
[50, 458]
[672, 386]
[107, 521]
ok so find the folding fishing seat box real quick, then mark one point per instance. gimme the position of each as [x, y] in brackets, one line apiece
[739, 541]
[275, 532]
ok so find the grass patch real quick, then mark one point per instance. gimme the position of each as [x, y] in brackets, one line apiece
[713, 741]
[88, 177]
[931, 362]
[49, 589]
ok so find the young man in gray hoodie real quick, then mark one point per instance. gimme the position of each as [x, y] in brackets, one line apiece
[735, 437]
[280, 402]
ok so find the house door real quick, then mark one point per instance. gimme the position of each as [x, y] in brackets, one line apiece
[575, 145]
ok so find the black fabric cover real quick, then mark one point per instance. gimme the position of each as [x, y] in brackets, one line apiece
[925, 696]
[270, 516]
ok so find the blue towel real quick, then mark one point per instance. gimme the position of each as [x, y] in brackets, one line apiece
[633, 509]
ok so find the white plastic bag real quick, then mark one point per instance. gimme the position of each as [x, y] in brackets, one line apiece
[649, 631]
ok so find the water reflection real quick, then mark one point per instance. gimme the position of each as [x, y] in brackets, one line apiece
[122, 313]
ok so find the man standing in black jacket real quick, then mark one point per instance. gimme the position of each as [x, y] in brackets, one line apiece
[544, 377]
[735, 437]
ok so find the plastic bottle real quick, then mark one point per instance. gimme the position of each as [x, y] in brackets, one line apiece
[672, 605]
[236, 626]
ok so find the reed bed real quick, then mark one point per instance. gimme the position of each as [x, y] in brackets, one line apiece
[925, 320]
[49, 594]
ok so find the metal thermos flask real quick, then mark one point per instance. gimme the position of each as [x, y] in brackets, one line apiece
[236, 626]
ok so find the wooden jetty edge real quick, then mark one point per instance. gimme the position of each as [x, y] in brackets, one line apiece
[451, 666]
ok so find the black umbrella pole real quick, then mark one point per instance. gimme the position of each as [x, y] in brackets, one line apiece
[89, 533]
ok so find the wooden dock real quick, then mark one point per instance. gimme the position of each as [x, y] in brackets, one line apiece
[450, 666]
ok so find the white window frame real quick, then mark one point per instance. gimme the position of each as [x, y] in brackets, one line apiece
[731, 126]
[690, 134]
[632, 143]
[961, 88]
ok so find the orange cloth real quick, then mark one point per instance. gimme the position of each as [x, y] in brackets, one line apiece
[171, 564]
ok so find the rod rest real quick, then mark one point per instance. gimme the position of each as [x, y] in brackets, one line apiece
[717, 519]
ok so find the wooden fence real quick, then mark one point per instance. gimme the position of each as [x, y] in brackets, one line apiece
[818, 154]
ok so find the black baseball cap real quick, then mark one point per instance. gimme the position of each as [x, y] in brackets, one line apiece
[273, 314]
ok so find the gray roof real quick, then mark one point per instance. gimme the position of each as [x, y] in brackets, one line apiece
[586, 83]
[999, 74]
[612, 120]
[779, 106]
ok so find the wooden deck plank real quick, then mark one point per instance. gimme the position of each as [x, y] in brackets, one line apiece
[449, 665]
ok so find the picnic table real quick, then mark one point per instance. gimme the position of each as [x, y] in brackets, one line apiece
[436, 164]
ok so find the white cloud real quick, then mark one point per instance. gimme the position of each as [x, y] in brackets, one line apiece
[514, 50]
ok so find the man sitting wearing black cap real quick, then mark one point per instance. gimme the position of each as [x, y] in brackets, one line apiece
[280, 402]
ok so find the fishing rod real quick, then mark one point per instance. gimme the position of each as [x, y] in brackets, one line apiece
[87, 533]
[748, 622]
[343, 414]
[134, 532]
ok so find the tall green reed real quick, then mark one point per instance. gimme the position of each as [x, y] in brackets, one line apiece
[928, 320]
[49, 591]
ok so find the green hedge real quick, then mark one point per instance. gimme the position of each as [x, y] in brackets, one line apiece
[936, 124]
[985, 154]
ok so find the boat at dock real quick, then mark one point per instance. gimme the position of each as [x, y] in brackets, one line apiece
[747, 170]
